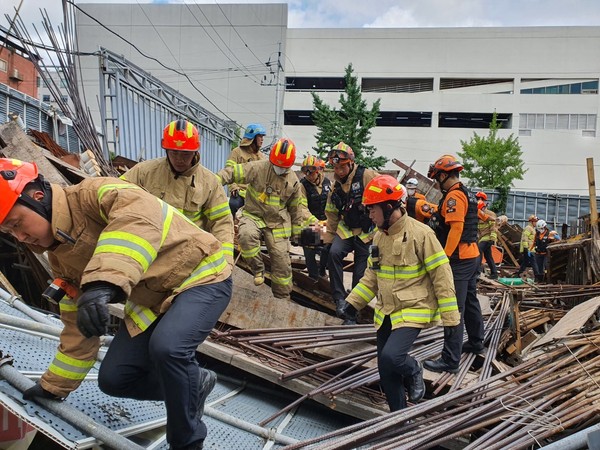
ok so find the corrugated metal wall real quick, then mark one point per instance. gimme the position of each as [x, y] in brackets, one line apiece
[555, 209]
[36, 115]
[136, 107]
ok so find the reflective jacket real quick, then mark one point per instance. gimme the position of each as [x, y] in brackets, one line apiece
[488, 230]
[527, 237]
[110, 230]
[413, 284]
[197, 193]
[335, 224]
[316, 194]
[272, 201]
[241, 155]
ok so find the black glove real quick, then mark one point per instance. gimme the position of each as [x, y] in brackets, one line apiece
[345, 310]
[38, 391]
[92, 307]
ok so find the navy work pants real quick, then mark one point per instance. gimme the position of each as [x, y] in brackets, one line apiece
[338, 251]
[316, 269]
[393, 361]
[160, 363]
[464, 272]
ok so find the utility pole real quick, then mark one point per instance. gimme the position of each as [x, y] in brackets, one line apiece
[277, 83]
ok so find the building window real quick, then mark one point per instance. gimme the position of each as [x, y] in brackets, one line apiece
[397, 85]
[3, 65]
[473, 120]
[314, 84]
[403, 119]
[38, 81]
[503, 85]
[297, 117]
[46, 98]
[584, 87]
[533, 121]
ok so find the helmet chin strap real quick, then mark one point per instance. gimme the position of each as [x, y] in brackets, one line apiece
[42, 207]
[388, 209]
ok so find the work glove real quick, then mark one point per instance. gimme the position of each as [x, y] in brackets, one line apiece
[38, 391]
[92, 307]
[529, 253]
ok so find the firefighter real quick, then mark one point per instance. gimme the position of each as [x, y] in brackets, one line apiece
[412, 281]
[542, 238]
[349, 227]
[527, 236]
[487, 231]
[417, 205]
[113, 241]
[456, 228]
[248, 150]
[315, 187]
[180, 180]
[274, 200]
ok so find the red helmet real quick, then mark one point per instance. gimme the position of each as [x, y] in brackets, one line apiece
[383, 188]
[181, 135]
[14, 176]
[283, 153]
[447, 163]
[341, 154]
[482, 195]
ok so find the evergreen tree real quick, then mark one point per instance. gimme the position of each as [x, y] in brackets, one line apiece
[351, 124]
[493, 162]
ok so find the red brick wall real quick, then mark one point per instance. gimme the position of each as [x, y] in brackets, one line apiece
[26, 70]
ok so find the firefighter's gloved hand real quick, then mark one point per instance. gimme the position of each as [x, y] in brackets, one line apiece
[234, 192]
[92, 307]
[529, 253]
[38, 391]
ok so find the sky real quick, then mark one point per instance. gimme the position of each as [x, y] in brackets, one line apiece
[382, 13]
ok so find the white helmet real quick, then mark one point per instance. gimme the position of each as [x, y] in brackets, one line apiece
[540, 225]
[412, 183]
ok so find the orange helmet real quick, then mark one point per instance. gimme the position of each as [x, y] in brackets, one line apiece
[383, 188]
[283, 153]
[341, 154]
[321, 164]
[312, 164]
[482, 195]
[14, 176]
[447, 163]
[181, 135]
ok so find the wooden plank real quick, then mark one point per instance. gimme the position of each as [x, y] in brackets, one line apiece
[572, 321]
[349, 403]
[506, 248]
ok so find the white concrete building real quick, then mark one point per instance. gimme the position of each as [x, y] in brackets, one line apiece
[437, 86]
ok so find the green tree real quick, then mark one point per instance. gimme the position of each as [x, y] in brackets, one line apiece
[493, 162]
[351, 124]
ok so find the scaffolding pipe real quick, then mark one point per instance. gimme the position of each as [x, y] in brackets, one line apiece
[266, 433]
[574, 442]
[69, 413]
[16, 303]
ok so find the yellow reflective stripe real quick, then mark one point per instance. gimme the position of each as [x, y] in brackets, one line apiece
[330, 207]
[172, 128]
[251, 252]
[281, 281]
[71, 368]
[378, 317]
[230, 163]
[216, 212]
[127, 244]
[168, 212]
[238, 173]
[194, 216]
[448, 304]
[210, 265]
[102, 190]
[67, 305]
[190, 130]
[284, 232]
[436, 260]
[400, 272]
[242, 193]
[298, 201]
[346, 232]
[219, 178]
[303, 201]
[142, 316]
[227, 248]
[363, 292]
[267, 199]
[416, 315]
[296, 229]
[310, 220]
[260, 223]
